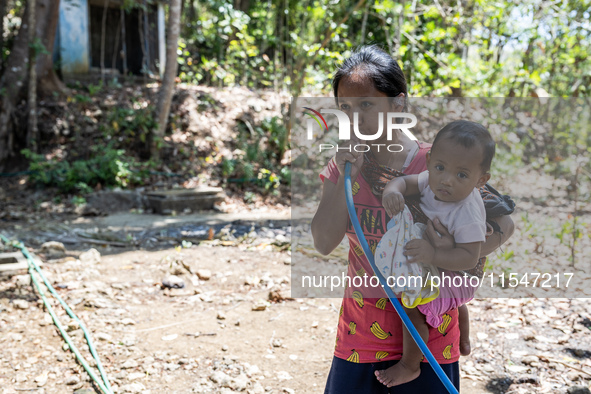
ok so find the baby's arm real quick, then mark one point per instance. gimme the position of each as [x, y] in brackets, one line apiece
[396, 189]
[460, 257]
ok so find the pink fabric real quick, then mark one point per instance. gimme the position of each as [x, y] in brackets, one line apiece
[450, 297]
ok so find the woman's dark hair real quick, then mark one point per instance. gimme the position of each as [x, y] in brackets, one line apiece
[468, 134]
[378, 65]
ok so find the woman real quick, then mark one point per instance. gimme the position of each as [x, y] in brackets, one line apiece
[369, 334]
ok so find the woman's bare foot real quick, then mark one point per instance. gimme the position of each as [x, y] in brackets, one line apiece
[465, 347]
[398, 374]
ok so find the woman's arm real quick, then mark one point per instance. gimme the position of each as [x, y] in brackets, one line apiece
[330, 221]
[490, 245]
[497, 239]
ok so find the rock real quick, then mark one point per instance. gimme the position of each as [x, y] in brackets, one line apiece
[127, 321]
[225, 348]
[257, 388]
[276, 342]
[221, 315]
[91, 256]
[220, 378]
[135, 376]
[42, 379]
[278, 295]
[528, 360]
[85, 391]
[53, 250]
[578, 390]
[72, 326]
[170, 337]
[173, 282]
[528, 379]
[102, 336]
[579, 352]
[239, 383]
[22, 280]
[72, 380]
[260, 305]
[129, 364]
[204, 274]
[133, 388]
[288, 390]
[283, 375]
[21, 304]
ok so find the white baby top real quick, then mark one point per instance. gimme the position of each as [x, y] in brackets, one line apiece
[465, 220]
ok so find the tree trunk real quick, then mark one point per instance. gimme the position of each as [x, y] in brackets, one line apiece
[32, 91]
[166, 90]
[2, 14]
[47, 20]
[15, 77]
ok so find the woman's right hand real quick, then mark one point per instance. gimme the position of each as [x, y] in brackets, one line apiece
[356, 158]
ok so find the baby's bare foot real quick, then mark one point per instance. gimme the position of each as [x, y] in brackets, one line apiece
[465, 347]
[398, 374]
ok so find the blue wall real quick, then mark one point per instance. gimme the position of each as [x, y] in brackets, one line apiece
[73, 37]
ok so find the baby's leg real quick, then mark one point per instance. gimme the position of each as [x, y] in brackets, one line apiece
[464, 321]
[409, 367]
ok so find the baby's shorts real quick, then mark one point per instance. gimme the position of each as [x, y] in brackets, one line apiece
[450, 297]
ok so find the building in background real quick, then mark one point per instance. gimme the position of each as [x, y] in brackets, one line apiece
[100, 36]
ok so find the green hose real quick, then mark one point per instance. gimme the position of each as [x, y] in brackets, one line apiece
[106, 387]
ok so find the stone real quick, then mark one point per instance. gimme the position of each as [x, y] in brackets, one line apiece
[221, 315]
[260, 305]
[276, 342]
[239, 383]
[220, 378]
[257, 388]
[103, 336]
[22, 280]
[21, 304]
[129, 364]
[283, 375]
[204, 274]
[91, 256]
[133, 388]
[578, 390]
[53, 250]
[528, 360]
[72, 380]
[173, 282]
[42, 379]
[135, 376]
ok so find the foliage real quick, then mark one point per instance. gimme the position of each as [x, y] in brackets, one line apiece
[129, 125]
[258, 155]
[108, 167]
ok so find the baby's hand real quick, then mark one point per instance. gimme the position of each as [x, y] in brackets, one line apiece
[393, 203]
[419, 251]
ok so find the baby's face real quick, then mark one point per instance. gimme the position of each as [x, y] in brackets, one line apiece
[454, 171]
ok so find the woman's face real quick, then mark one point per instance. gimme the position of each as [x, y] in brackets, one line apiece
[357, 94]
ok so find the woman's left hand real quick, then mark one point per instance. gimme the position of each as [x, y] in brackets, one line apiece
[443, 240]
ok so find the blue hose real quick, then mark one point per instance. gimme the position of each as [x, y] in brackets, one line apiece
[393, 299]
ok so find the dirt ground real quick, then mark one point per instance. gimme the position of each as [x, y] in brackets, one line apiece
[233, 327]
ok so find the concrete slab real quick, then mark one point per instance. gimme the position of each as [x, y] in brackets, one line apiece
[178, 200]
[15, 262]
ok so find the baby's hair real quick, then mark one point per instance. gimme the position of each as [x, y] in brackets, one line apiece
[379, 66]
[468, 134]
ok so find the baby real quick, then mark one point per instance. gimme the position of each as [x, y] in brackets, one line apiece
[457, 165]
